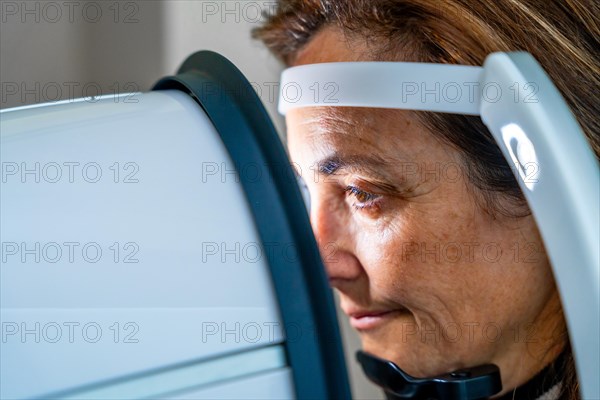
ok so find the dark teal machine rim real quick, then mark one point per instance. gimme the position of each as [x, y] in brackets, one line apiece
[306, 303]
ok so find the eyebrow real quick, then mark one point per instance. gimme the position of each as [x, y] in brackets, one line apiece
[371, 164]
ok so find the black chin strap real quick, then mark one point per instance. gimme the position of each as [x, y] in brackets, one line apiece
[464, 384]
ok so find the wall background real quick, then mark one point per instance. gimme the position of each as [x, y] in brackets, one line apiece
[58, 50]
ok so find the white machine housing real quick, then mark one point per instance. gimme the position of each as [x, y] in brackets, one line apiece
[151, 248]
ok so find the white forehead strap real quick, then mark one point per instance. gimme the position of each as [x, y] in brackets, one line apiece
[411, 86]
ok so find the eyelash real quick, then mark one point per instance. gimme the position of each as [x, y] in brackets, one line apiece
[367, 202]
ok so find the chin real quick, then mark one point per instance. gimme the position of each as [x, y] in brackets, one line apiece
[414, 357]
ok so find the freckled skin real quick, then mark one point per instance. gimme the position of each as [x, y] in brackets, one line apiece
[476, 288]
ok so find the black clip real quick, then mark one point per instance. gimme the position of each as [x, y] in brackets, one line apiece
[465, 384]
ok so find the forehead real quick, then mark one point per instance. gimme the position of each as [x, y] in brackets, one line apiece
[374, 129]
[376, 142]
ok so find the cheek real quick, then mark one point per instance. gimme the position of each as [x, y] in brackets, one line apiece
[455, 264]
[422, 253]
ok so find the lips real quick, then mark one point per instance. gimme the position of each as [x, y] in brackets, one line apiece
[369, 319]
[362, 314]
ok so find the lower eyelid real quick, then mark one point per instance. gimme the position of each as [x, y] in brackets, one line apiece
[371, 209]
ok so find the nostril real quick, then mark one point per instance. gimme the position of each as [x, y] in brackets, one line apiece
[346, 270]
[336, 283]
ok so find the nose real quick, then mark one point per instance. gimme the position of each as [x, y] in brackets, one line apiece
[336, 242]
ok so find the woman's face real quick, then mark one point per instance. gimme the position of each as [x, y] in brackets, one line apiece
[429, 279]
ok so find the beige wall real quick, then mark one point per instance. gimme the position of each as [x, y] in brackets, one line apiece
[50, 51]
[78, 49]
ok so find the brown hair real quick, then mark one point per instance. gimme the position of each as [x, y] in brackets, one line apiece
[562, 35]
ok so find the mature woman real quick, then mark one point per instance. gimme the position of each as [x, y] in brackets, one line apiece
[438, 261]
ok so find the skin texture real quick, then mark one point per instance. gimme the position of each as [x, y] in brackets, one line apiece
[400, 228]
